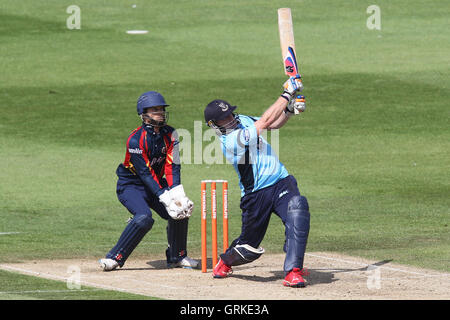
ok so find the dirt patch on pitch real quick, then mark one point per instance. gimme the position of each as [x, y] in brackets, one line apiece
[332, 276]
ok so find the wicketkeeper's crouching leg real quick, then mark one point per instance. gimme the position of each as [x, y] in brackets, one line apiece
[176, 253]
[135, 230]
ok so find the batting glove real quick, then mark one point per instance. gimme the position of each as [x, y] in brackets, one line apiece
[291, 86]
[296, 105]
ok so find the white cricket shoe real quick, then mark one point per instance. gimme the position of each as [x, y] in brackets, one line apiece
[186, 263]
[108, 264]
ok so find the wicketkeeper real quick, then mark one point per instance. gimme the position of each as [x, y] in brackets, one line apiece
[149, 179]
[265, 184]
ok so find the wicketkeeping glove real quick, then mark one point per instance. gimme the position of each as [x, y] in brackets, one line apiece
[173, 208]
[179, 196]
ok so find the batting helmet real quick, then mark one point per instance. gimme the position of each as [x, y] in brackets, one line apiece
[217, 110]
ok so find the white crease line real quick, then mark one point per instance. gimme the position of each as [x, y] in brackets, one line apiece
[51, 276]
[30, 272]
[382, 267]
[6, 233]
[48, 291]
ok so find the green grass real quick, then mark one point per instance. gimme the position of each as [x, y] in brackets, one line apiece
[371, 152]
[20, 287]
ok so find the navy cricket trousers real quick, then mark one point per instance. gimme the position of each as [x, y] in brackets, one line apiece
[257, 208]
[140, 204]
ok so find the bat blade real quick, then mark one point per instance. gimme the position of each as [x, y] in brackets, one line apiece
[287, 43]
[290, 63]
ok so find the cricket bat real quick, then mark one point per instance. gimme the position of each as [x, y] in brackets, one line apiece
[287, 43]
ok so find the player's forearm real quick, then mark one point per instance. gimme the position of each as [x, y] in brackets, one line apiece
[271, 115]
[172, 174]
[151, 183]
[146, 174]
[172, 167]
[281, 121]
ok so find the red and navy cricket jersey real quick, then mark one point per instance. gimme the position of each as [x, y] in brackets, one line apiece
[149, 159]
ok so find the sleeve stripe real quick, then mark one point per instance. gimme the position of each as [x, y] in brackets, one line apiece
[169, 159]
[126, 162]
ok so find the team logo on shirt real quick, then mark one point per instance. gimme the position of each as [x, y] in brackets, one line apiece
[246, 133]
[135, 150]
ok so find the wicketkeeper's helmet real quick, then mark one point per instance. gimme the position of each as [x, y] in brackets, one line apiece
[152, 99]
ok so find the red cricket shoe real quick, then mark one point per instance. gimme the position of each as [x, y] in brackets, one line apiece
[294, 279]
[221, 270]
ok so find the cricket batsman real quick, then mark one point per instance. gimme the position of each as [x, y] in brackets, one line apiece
[149, 179]
[266, 185]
